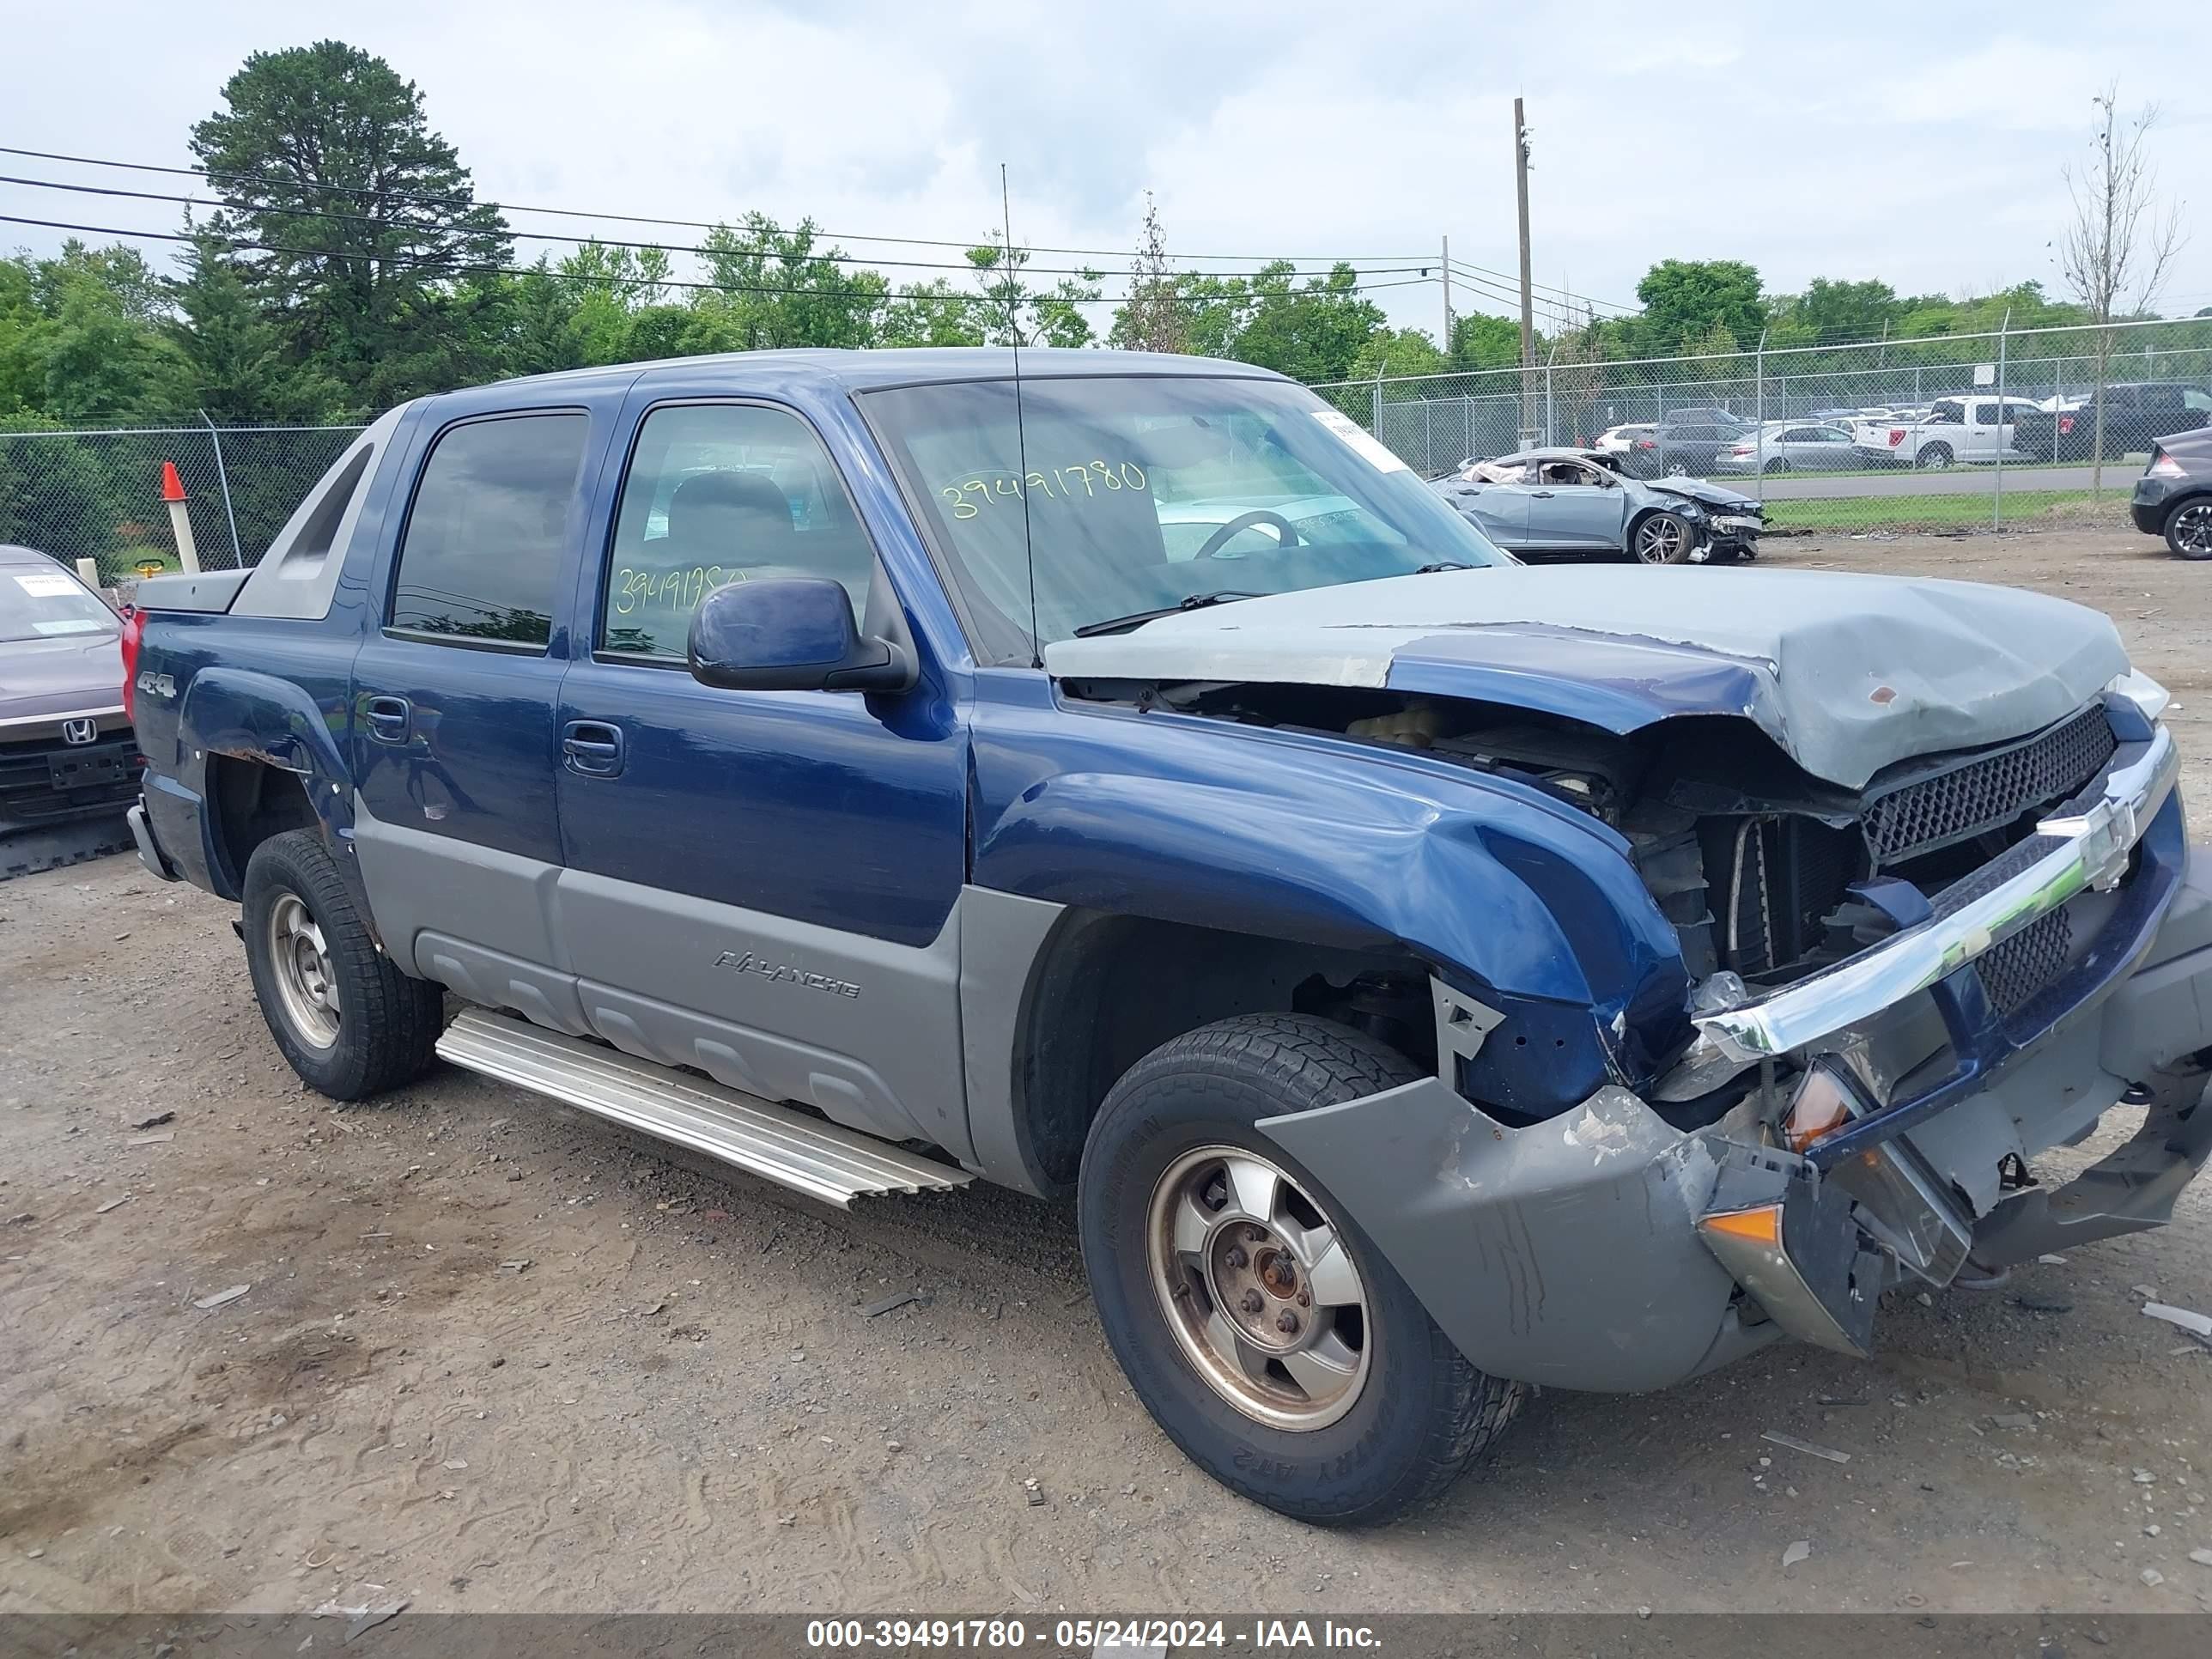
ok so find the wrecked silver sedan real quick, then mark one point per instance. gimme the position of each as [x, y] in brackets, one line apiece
[1577, 502]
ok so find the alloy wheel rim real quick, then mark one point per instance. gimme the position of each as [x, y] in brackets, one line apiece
[1657, 542]
[299, 961]
[2193, 527]
[1259, 1286]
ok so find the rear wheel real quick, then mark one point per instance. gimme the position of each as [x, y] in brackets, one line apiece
[1259, 1325]
[2189, 530]
[345, 1018]
[1934, 459]
[1779, 464]
[1662, 538]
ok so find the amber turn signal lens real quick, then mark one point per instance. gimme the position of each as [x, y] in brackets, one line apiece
[1821, 1108]
[1762, 1225]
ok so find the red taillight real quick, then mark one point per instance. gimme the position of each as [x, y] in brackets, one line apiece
[2163, 465]
[2065, 424]
[1896, 436]
[1647, 443]
[134, 629]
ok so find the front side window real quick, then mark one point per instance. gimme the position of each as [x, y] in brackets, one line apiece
[486, 539]
[1131, 492]
[723, 492]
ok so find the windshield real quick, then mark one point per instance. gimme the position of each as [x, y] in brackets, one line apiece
[1142, 491]
[43, 604]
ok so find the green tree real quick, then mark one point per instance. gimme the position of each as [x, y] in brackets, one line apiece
[1151, 318]
[81, 341]
[1481, 341]
[1312, 331]
[353, 220]
[1687, 300]
[1834, 311]
[1390, 352]
[779, 289]
[234, 368]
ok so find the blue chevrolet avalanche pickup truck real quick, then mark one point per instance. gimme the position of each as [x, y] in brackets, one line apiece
[1119, 778]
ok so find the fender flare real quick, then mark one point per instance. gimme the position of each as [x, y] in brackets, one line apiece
[239, 713]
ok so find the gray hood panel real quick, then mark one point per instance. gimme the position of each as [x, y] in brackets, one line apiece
[1847, 673]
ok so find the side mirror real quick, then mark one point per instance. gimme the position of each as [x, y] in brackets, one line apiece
[789, 634]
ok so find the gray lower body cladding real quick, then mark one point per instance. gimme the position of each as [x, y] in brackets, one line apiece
[1569, 1252]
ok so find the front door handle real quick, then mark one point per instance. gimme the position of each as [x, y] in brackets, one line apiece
[591, 749]
[1540, 495]
[390, 719]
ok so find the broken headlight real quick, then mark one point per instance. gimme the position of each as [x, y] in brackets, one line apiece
[2144, 692]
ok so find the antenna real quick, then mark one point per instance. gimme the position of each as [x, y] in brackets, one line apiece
[1021, 430]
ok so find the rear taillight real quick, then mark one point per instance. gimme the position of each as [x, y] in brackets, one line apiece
[2065, 424]
[1896, 436]
[1647, 443]
[134, 631]
[2163, 465]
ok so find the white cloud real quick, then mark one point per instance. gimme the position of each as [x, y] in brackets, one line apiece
[1872, 140]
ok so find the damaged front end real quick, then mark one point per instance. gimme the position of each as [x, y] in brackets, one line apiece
[1986, 970]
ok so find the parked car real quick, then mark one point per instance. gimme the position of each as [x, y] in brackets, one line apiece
[1690, 441]
[2173, 497]
[1787, 446]
[1428, 976]
[2136, 414]
[1967, 430]
[1574, 502]
[68, 765]
[1620, 442]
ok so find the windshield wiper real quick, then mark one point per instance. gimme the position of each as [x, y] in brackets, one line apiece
[1139, 618]
[1442, 564]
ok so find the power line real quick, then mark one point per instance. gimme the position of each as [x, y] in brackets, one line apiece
[456, 267]
[684, 224]
[701, 251]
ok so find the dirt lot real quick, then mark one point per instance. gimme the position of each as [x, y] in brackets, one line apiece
[494, 1355]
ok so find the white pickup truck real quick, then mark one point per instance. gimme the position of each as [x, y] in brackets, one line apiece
[1967, 430]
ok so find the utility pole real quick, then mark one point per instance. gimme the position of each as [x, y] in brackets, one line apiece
[1447, 270]
[1527, 289]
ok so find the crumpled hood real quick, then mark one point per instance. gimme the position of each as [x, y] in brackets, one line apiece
[1699, 491]
[1847, 673]
[62, 675]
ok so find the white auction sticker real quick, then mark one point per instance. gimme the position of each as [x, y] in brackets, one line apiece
[1370, 448]
[46, 587]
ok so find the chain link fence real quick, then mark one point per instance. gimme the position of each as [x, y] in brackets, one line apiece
[97, 494]
[1945, 432]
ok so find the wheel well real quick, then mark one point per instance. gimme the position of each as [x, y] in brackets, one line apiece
[1110, 989]
[252, 801]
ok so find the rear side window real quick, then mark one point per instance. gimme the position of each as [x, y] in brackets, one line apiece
[485, 545]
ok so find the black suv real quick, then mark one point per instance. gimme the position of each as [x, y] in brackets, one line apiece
[1691, 440]
[2136, 414]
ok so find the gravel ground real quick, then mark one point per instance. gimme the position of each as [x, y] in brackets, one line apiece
[492, 1355]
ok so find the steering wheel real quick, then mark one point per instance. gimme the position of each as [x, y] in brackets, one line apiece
[1242, 522]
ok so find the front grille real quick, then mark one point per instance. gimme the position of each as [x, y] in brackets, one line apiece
[1927, 813]
[2014, 971]
[27, 795]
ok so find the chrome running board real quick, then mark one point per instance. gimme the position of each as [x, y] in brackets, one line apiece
[788, 1148]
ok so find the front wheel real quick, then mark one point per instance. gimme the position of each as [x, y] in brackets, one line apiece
[2189, 530]
[1258, 1324]
[345, 1019]
[1662, 538]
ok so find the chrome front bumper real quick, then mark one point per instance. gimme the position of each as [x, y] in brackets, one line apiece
[2087, 848]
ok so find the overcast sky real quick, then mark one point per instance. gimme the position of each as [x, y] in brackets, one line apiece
[1923, 144]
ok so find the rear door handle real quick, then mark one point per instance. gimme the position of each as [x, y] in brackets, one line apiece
[591, 749]
[390, 719]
